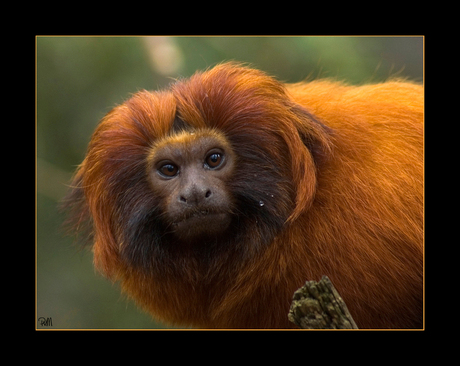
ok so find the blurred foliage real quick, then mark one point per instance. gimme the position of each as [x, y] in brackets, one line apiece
[79, 79]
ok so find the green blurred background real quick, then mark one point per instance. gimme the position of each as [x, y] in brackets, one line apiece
[79, 79]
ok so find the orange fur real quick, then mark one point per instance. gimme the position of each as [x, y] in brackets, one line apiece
[349, 191]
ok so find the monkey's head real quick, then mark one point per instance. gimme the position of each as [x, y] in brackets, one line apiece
[190, 173]
[183, 190]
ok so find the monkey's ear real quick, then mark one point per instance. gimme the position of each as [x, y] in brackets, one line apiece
[315, 135]
[310, 147]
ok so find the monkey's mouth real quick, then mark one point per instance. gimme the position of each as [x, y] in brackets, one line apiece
[202, 222]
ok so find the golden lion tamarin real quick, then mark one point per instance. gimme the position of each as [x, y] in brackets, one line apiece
[213, 201]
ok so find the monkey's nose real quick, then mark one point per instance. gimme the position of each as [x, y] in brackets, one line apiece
[195, 195]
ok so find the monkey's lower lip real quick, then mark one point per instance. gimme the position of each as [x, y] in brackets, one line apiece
[202, 223]
[201, 216]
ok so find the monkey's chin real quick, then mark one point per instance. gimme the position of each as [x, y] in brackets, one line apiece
[201, 226]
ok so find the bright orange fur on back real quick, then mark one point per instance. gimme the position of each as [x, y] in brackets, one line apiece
[365, 226]
[328, 179]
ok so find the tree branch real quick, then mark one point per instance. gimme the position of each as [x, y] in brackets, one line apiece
[318, 305]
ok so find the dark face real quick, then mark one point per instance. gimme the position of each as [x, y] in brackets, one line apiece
[190, 171]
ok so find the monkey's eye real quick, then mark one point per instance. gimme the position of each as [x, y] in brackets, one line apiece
[168, 170]
[214, 160]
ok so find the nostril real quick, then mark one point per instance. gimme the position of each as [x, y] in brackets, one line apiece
[208, 194]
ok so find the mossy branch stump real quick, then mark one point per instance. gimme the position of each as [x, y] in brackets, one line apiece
[318, 305]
